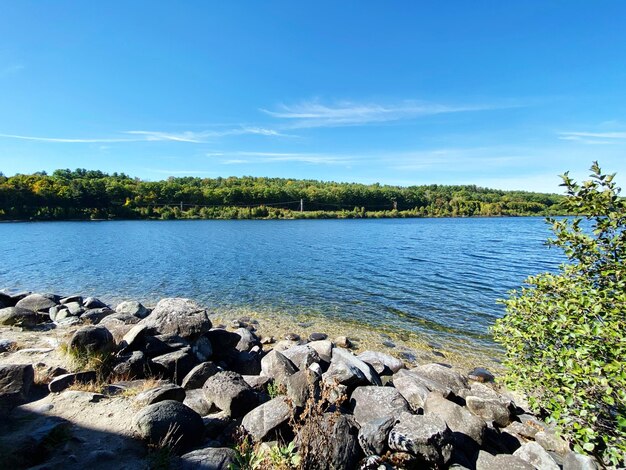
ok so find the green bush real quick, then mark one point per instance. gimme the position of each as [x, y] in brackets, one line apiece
[564, 333]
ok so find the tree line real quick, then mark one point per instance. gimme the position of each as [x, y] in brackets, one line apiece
[92, 194]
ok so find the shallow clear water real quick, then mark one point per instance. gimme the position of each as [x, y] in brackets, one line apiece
[434, 277]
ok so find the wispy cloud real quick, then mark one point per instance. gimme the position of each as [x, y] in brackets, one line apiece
[594, 138]
[194, 137]
[345, 113]
[235, 158]
[10, 70]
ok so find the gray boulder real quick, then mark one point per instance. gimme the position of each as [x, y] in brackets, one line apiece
[374, 434]
[133, 366]
[74, 308]
[7, 345]
[230, 393]
[552, 443]
[209, 458]
[247, 340]
[493, 410]
[383, 364]
[266, 418]
[536, 455]
[18, 316]
[302, 356]
[371, 403]
[412, 389]
[301, 385]
[197, 376]
[162, 344]
[468, 429]
[442, 375]
[92, 339]
[424, 436]
[202, 348]
[134, 339]
[72, 298]
[346, 369]
[171, 419]
[257, 382]
[324, 349]
[94, 303]
[36, 303]
[176, 364]
[195, 400]
[178, 316]
[486, 461]
[161, 393]
[575, 461]
[94, 315]
[275, 365]
[132, 307]
[15, 383]
[60, 383]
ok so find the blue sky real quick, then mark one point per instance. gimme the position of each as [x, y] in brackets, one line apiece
[500, 94]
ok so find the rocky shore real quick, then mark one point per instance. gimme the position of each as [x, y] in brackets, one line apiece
[83, 384]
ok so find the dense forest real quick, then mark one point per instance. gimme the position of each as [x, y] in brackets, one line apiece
[87, 194]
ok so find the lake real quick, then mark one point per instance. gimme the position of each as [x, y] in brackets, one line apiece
[434, 279]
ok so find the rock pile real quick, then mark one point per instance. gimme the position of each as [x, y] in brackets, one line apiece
[341, 410]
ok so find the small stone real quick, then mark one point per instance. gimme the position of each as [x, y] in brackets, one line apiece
[292, 337]
[317, 336]
[7, 345]
[15, 383]
[209, 458]
[480, 374]
[343, 342]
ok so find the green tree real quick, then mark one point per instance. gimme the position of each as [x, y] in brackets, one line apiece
[564, 333]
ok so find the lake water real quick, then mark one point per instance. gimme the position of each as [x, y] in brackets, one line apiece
[437, 279]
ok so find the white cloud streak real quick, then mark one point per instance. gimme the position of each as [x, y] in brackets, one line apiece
[154, 136]
[594, 138]
[236, 158]
[347, 113]
[10, 70]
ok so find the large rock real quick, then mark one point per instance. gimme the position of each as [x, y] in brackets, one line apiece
[36, 303]
[94, 315]
[15, 383]
[132, 307]
[134, 339]
[575, 461]
[332, 442]
[468, 429]
[209, 458]
[176, 364]
[230, 393]
[302, 356]
[493, 410]
[424, 436]
[202, 348]
[178, 316]
[133, 366]
[195, 400]
[60, 383]
[324, 349]
[247, 340]
[371, 403]
[442, 375]
[163, 344]
[343, 356]
[161, 393]
[383, 364]
[197, 376]
[301, 385]
[17, 316]
[486, 461]
[266, 418]
[536, 455]
[277, 366]
[429, 384]
[94, 303]
[373, 435]
[412, 389]
[92, 339]
[171, 419]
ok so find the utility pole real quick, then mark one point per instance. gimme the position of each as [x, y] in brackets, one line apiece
[301, 205]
